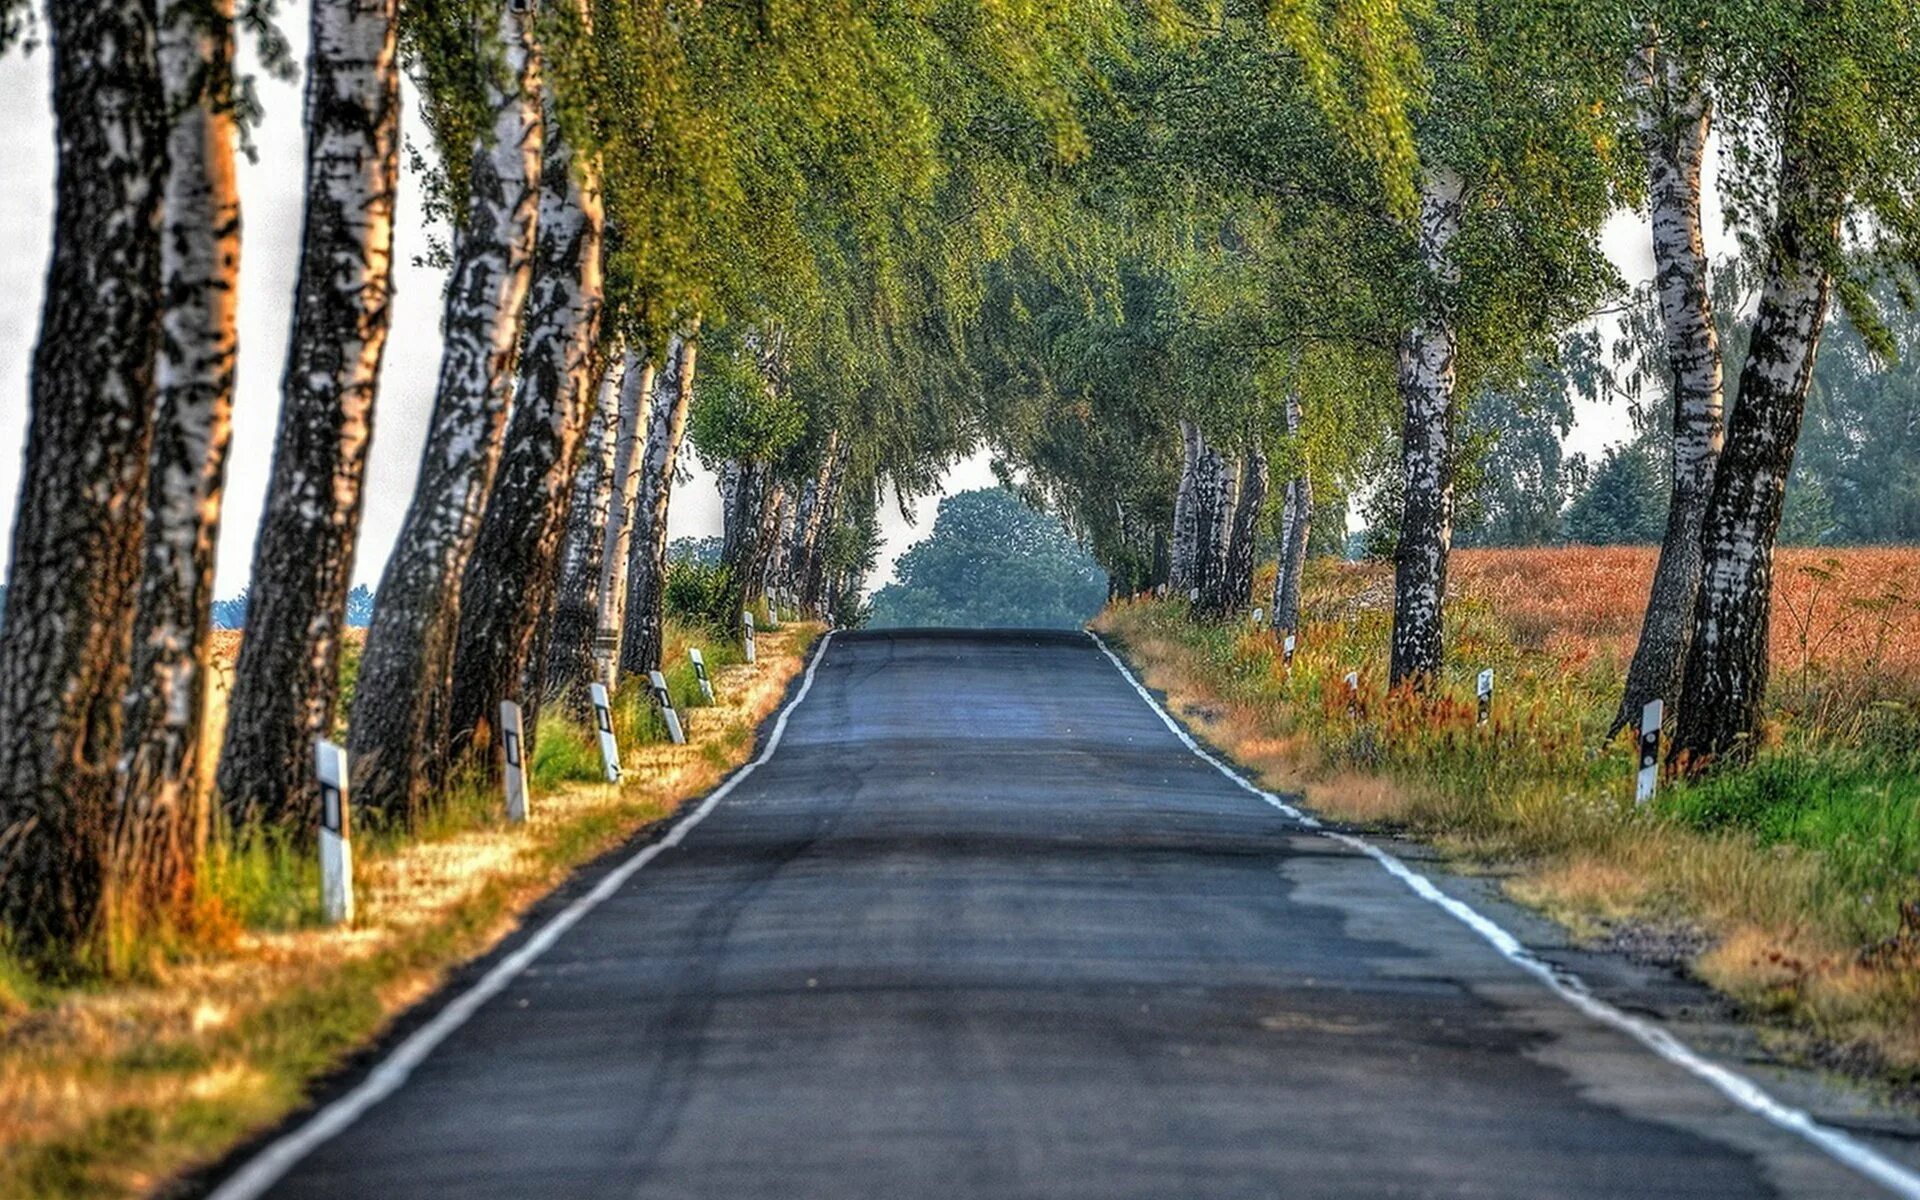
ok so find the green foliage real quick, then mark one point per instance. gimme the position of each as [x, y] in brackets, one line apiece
[991, 562]
[1625, 501]
[698, 593]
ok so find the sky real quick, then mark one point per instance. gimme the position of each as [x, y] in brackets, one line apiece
[270, 190]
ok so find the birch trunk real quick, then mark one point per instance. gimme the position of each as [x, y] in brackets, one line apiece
[76, 556]
[641, 640]
[1212, 515]
[1296, 527]
[287, 681]
[569, 651]
[1185, 525]
[744, 493]
[509, 584]
[1675, 118]
[158, 822]
[617, 547]
[1245, 528]
[815, 580]
[1426, 448]
[1726, 674]
[399, 720]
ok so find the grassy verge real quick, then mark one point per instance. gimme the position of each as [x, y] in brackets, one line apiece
[111, 1088]
[1792, 885]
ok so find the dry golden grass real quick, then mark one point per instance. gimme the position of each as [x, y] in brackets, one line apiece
[109, 1090]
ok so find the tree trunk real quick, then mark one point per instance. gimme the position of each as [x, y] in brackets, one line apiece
[766, 533]
[158, 821]
[1426, 448]
[1675, 117]
[399, 724]
[616, 553]
[811, 574]
[510, 582]
[288, 677]
[1212, 509]
[642, 639]
[1185, 518]
[1296, 526]
[744, 494]
[1726, 673]
[77, 535]
[569, 652]
[1246, 528]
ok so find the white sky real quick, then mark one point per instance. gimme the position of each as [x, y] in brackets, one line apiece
[270, 196]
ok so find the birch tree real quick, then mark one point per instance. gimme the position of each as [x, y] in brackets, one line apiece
[77, 535]
[286, 682]
[1675, 116]
[158, 818]
[643, 637]
[510, 581]
[568, 653]
[399, 721]
[1296, 525]
[636, 401]
[1827, 185]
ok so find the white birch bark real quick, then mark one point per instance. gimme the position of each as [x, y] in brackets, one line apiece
[569, 655]
[286, 683]
[77, 534]
[1726, 674]
[1186, 531]
[1675, 116]
[636, 402]
[399, 720]
[641, 639]
[1296, 526]
[159, 820]
[509, 584]
[1426, 385]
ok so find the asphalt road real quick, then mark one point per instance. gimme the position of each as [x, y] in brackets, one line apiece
[983, 927]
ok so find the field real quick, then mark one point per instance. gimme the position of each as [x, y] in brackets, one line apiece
[110, 1088]
[1792, 884]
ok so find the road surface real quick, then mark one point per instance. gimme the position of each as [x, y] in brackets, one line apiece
[982, 927]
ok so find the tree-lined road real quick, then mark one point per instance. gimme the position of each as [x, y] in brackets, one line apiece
[983, 927]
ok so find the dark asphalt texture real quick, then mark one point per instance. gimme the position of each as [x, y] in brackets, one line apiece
[983, 927]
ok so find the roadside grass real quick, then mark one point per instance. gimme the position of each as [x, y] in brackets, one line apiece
[1791, 884]
[112, 1085]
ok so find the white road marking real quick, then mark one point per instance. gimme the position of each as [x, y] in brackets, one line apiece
[1570, 987]
[271, 1164]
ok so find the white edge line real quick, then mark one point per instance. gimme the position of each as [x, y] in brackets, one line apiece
[266, 1168]
[1570, 987]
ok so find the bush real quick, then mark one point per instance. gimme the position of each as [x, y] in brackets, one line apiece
[697, 593]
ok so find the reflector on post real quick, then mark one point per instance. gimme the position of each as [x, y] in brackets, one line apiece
[1652, 717]
[664, 699]
[513, 746]
[336, 845]
[1484, 690]
[603, 720]
[700, 672]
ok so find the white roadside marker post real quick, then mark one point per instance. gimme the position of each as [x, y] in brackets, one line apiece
[1193, 595]
[1353, 693]
[664, 699]
[1161, 591]
[603, 719]
[746, 633]
[336, 844]
[513, 744]
[1484, 689]
[1259, 617]
[1652, 717]
[773, 610]
[700, 672]
[1286, 652]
